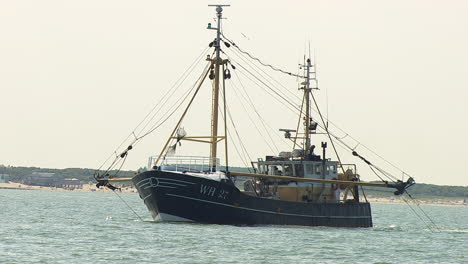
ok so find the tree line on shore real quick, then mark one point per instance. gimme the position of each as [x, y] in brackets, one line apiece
[17, 174]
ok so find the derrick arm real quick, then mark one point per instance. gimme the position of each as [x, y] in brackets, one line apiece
[401, 186]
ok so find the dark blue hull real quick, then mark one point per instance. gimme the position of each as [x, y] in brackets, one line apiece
[177, 196]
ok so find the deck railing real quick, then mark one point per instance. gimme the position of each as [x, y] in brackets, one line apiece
[186, 163]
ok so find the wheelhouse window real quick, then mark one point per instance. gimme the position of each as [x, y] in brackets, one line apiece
[299, 169]
[318, 170]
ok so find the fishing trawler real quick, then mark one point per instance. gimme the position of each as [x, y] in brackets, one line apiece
[296, 187]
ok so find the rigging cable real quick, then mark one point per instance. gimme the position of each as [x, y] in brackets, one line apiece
[141, 219]
[241, 157]
[415, 201]
[388, 175]
[298, 123]
[186, 73]
[243, 57]
[252, 65]
[200, 82]
[418, 215]
[270, 85]
[244, 149]
[293, 108]
[262, 120]
[181, 80]
[328, 133]
[250, 103]
[177, 105]
[328, 121]
[257, 59]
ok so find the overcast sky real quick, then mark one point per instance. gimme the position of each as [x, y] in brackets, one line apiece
[77, 76]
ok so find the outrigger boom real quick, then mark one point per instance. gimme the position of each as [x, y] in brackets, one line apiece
[401, 186]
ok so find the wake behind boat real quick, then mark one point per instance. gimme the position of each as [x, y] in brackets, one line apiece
[295, 187]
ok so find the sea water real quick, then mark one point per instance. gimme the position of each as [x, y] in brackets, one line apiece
[78, 227]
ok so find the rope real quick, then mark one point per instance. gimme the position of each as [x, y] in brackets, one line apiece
[177, 85]
[243, 57]
[328, 133]
[414, 211]
[293, 108]
[415, 201]
[250, 102]
[141, 219]
[328, 121]
[256, 112]
[259, 72]
[242, 158]
[259, 61]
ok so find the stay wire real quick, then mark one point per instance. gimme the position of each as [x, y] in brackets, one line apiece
[293, 108]
[159, 102]
[271, 85]
[415, 201]
[376, 174]
[418, 215]
[317, 110]
[157, 125]
[358, 143]
[252, 105]
[244, 149]
[181, 80]
[259, 61]
[298, 123]
[255, 66]
[175, 106]
[131, 209]
[346, 146]
[255, 111]
[274, 68]
[196, 85]
[326, 130]
[241, 157]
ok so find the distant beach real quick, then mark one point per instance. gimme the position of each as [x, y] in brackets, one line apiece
[82, 188]
[443, 201]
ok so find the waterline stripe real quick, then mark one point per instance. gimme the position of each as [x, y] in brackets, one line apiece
[162, 186]
[263, 211]
[144, 198]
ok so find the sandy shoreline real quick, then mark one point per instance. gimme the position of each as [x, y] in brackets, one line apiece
[83, 188]
[92, 188]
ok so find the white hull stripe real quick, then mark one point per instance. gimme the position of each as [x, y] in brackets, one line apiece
[146, 181]
[171, 218]
[144, 198]
[138, 183]
[176, 184]
[263, 211]
[175, 180]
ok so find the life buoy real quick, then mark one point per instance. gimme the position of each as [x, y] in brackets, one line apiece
[334, 186]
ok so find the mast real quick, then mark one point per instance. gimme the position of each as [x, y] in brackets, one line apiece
[215, 101]
[307, 112]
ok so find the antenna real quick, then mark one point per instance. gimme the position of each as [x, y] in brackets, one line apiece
[219, 8]
[219, 5]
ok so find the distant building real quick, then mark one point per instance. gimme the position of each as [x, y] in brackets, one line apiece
[4, 178]
[46, 179]
[71, 184]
